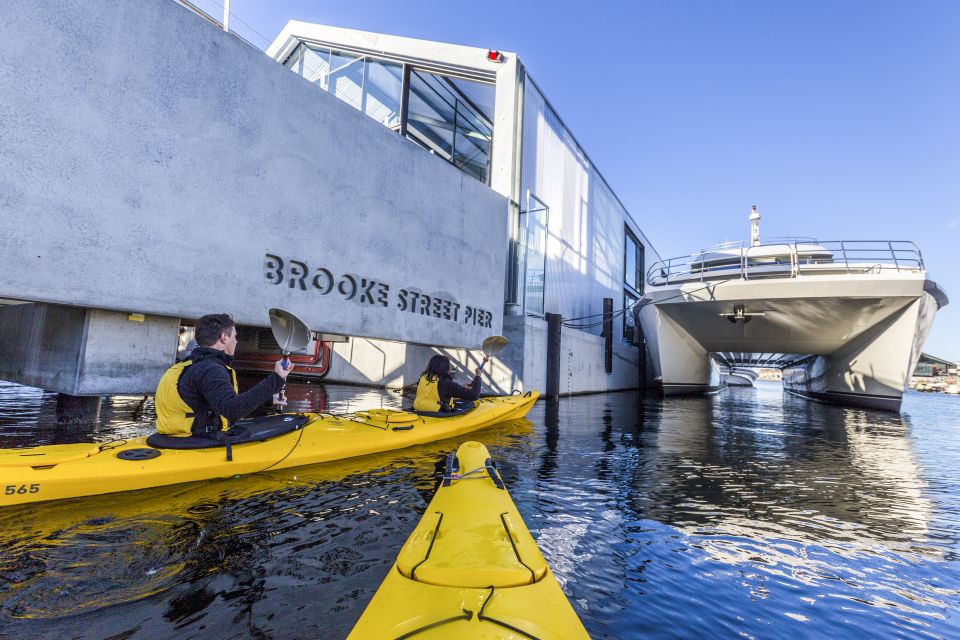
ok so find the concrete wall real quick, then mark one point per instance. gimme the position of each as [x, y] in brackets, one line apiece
[396, 364]
[581, 359]
[84, 351]
[153, 163]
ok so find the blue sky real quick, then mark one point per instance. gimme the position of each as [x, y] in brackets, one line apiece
[838, 119]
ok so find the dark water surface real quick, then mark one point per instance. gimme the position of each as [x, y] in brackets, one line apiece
[746, 514]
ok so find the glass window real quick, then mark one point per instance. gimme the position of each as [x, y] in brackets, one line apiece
[293, 62]
[382, 93]
[316, 66]
[442, 119]
[431, 113]
[443, 113]
[633, 268]
[471, 149]
[346, 78]
[535, 218]
[629, 321]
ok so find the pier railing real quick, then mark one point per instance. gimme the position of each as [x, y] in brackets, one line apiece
[789, 258]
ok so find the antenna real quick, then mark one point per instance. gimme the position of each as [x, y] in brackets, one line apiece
[755, 227]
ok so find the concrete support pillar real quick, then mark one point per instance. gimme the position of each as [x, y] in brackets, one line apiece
[608, 335]
[85, 352]
[554, 327]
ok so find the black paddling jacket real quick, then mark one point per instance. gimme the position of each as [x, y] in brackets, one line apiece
[207, 387]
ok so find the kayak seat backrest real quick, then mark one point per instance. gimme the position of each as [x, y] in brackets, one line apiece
[243, 431]
[442, 414]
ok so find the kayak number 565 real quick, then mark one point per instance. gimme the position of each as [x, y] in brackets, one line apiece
[12, 489]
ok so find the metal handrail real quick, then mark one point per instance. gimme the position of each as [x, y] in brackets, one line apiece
[744, 244]
[798, 256]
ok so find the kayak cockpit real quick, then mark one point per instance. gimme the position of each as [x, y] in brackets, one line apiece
[242, 432]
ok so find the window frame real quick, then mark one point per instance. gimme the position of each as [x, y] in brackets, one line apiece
[639, 257]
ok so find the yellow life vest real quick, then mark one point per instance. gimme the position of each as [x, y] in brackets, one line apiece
[174, 416]
[428, 395]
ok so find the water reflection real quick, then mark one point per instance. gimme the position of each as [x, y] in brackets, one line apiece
[748, 513]
[800, 471]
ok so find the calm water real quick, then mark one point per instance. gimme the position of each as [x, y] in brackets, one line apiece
[746, 514]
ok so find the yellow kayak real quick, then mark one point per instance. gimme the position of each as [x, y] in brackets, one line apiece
[470, 569]
[55, 472]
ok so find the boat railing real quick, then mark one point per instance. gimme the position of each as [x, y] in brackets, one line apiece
[743, 244]
[789, 259]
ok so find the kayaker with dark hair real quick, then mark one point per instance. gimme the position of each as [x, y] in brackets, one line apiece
[436, 389]
[199, 396]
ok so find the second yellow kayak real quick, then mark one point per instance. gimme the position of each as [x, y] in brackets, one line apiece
[470, 569]
[67, 471]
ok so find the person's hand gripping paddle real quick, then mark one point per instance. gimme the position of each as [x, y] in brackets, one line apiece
[293, 335]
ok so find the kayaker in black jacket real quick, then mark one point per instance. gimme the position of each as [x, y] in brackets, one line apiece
[199, 396]
[436, 389]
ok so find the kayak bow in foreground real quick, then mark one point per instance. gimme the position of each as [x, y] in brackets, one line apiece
[56, 472]
[470, 569]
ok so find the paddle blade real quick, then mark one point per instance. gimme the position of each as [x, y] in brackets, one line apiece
[290, 332]
[493, 345]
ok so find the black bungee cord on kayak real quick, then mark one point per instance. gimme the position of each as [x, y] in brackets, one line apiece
[433, 538]
[287, 454]
[468, 615]
[486, 618]
[516, 552]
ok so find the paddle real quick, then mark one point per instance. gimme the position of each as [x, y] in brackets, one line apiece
[491, 347]
[292, 334]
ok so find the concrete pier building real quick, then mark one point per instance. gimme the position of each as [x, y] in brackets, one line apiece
[409, 196]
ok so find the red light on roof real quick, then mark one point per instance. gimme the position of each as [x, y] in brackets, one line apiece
[494, 56]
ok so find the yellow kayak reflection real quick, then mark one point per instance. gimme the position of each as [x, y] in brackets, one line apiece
[76, 556]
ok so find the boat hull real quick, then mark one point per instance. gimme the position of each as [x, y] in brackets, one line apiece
[846, 339]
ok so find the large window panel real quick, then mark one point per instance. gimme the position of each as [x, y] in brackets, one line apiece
[444, 115]
[431, 113]
[382, 92]
[441, 119]
[293, 62]
[471, 144]
[633, 267]
[535, 219]
[346, 78]
[316, 66]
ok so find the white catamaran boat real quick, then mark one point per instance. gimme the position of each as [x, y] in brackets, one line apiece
[845, 320]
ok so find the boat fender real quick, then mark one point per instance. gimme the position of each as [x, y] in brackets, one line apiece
[141, 453]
